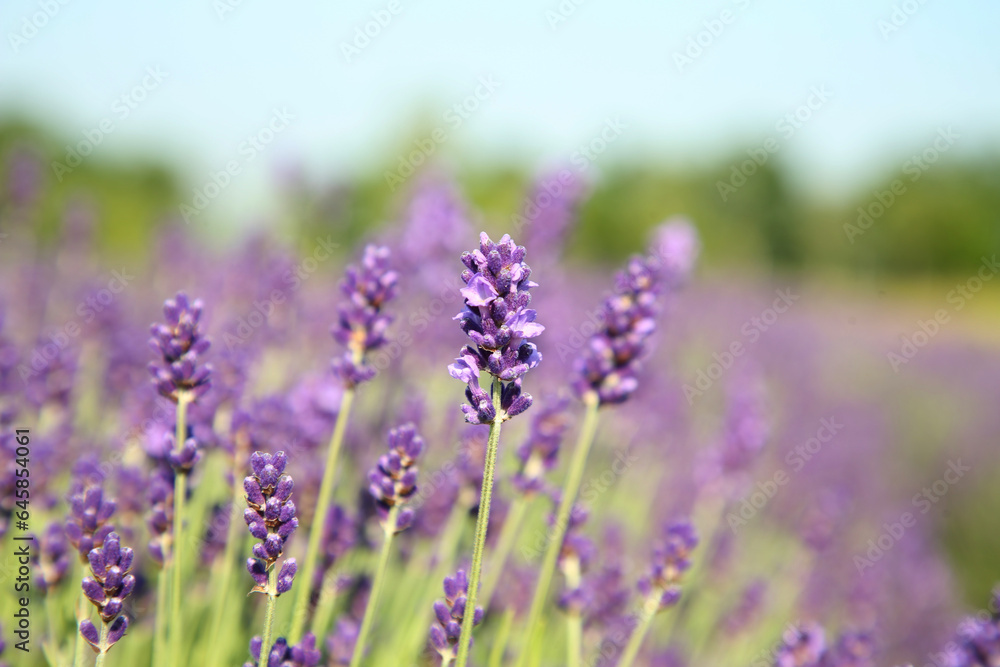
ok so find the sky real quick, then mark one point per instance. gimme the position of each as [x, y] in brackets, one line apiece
[210, 83]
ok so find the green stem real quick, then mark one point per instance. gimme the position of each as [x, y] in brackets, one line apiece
[160, 632]
[307, 573]
[508, 533]
[272, 598]
[500, 641]
[103, 650]
[482, 523]
[53, 648]
[574, 639]
[228, 561]
[377, 583]
[645, 620]
[570, 488]
[180, 493]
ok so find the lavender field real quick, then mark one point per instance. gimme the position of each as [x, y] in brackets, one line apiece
[287, 385]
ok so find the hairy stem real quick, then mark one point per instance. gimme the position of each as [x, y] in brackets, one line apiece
[377, 583]
[180, 493]
[570, 488]
[482, 523]
[103, 650]
[272, 599]
[508, 533]
[301, 610]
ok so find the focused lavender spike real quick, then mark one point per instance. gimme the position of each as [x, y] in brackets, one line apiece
[670, 562]
[270, 517]
[393, 480]
[609, 364]
[449, 614]
[537, 455]
[87, 526]
[179, 343]
[362, 322]
[497, 319]
[108, 587]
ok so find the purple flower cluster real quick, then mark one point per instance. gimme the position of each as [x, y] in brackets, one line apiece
[180, 342]
[87, 527]
[303, 654]
[609, 365]
[393, 480]
[362, 323]
[340, 644]
[270, 518]
[575, 557]
[537, 454]
[107, 589]
[670, 561]
[805, 646]
[497, 319]
[449, 614]
[54, 557]
[160, 518]
[977, 641]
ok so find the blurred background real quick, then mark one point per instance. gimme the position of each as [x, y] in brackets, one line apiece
[848, 151]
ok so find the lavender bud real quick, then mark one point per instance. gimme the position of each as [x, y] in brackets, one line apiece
[270, 518]
[179, 343]
[87, 526]
[108, 587]
[670, 561]
[393, 479]
[449, 614]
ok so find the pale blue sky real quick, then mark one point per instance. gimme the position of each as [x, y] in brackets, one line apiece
[557, 86]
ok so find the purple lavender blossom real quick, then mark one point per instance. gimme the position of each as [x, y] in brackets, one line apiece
[303, 654]
[340, 644]
[747, 428]
[537, 455]
[977, 641]
[339, 537]
[362, 323]
[610, 363]
[87, 526]
[180, 342]
[670, 561]
[160, 519]
[393, 480]
[497, 319]
[107, 589]
[802, 646]
[575, 557]
[270, 518]
[54, 557]
[449, 614]
[676, 245]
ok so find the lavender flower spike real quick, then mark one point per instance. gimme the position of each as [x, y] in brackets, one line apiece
[87, 527]
[447, 628]
[270, 518]
[180, 342]
[670, 561]
[107, 589]
[394, 478]
[497, 319]
[362, 324]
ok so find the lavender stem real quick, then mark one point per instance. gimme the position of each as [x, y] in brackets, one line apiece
[272, 599]
[482, 523]
[99, 662]
[500, 642]
[649, 609]
[180, 491]
[322, 508]
[574, 622]
[81, 614]
[377, 582]
[160, 636]
[570, 488]
[508, 533]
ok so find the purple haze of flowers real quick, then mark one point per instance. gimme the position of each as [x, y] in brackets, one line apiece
[270, 518]
[806, 646]
[54, 557]
[303, 654]
[670, 561]
[747, 428]
[362, 323]
[340, 644]
[537, 454]
[393, 480]
[676, 245]
[87, 526]
[449, 614]
[550, 211]
[107, 589]
[977, 641]
[497, 319]
[180, 342]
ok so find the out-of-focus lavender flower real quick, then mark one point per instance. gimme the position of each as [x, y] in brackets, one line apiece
[577, 553]
[362, 322]
[449, 614]
[87, 526]
[537, 455]
[670, 561]
[746, 610]
[497, 319]
[303, 654]
[747, 428]
[676, 247]
[801, 646]
[436, 223]
[160, 518]
[340, 644]
[610, 362]
[180, 342]
[550, 211]
[49, 374]
[339, 537]
[977, 641]
[54, 557]
[107, 589]
[270, 518]
[394, 479]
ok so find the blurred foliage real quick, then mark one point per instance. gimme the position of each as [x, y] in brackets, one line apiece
[944, 221]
